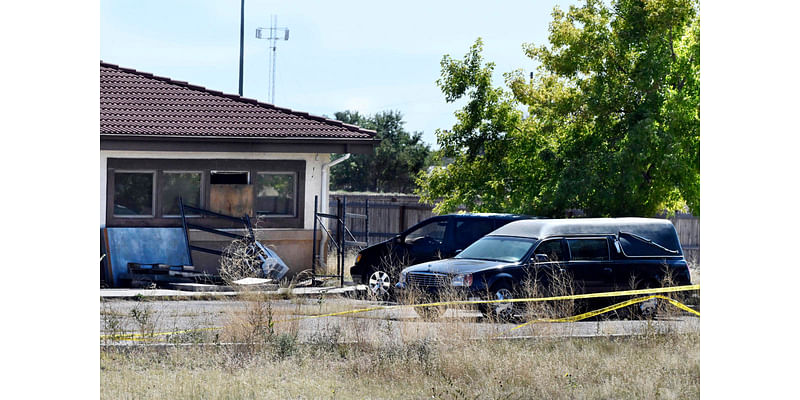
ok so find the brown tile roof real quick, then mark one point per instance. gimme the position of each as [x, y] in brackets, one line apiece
[139, 103]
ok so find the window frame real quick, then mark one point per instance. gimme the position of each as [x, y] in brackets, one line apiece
[561, 242]
[154, 193]
[447, 228]
[160, 198]
[603, 238]
[225, 171]
[294, 193]
[158, 166]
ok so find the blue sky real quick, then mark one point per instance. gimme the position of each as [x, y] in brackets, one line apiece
[366, 56]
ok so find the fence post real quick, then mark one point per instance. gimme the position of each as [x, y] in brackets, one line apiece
[366, 220]
[402, 217]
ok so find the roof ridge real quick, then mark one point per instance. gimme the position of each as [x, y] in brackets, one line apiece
[236, 97]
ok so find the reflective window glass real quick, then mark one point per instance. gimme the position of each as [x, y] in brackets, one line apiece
[180, 184]
[133, 194]
[275, 194]
[588, 249]
[552, 249]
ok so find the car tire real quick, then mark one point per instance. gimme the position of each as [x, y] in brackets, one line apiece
[647, 309]
[379, 284]
[500, 311]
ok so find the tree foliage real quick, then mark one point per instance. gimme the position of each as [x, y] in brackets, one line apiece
[396, 161]
[613, 123]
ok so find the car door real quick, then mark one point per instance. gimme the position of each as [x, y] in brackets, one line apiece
[589, 264]
[428, 241]
[550, 270]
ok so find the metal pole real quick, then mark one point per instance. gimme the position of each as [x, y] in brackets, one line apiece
[314, 244]
[241, 52]
[185, 231]
[339, 234]
[344, 239]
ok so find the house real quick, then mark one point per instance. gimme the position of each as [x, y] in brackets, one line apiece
[161, 139]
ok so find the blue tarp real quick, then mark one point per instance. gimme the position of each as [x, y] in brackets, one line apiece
[144, 246]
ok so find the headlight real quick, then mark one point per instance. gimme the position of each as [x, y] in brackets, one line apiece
[462, 280]
[402, 278]
[358, 258]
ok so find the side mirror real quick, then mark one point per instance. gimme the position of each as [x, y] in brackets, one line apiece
[541, 258]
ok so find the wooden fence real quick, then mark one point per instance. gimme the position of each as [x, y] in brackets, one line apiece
[392, 214]
[388, 215]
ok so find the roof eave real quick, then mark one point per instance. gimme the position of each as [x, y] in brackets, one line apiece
[237, 144]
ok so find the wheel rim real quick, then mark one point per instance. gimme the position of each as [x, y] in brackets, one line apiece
[648, 308]
[503, 310]
[379, 283]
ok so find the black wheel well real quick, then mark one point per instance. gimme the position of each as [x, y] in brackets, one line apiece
[505, 281]
[649, 283]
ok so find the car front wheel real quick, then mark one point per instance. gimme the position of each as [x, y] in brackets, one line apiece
[500, 311]
[379, 283]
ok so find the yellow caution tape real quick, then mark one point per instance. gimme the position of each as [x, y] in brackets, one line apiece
[610, 308]
[472, 302]
[525, 300]
[146, 336]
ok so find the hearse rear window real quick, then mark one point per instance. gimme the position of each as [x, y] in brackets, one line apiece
[640, 246]
[588, 249]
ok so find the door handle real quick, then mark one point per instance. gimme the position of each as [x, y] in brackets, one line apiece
[607, 270]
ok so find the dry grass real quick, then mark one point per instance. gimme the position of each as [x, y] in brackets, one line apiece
[256, 356]
[650, 366]
[259, 355]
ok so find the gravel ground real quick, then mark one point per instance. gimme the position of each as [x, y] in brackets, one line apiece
[381, 325]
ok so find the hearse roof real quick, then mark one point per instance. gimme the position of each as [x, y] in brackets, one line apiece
[493, 215]
[660, 231]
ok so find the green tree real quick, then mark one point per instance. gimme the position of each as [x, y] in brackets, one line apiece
[613, 121]
[396, 161]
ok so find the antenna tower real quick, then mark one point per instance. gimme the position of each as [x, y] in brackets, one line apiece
[272, 34]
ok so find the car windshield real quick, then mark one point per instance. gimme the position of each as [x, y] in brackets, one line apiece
[498, 248]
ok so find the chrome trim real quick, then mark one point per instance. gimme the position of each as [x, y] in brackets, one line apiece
[425, 279]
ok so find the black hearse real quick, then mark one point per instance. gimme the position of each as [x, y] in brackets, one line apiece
[599, 254]
[432, 239]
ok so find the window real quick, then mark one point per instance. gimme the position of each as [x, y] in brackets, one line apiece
[180, 184]
[552, 249]
[133, 194]
[230, 178]
[144, 191]
[433, 231]
[588, 249]
[275, 194]
[469, 230]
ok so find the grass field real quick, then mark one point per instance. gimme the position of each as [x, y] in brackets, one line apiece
[253, 357]
[256, 357]
[643, 367]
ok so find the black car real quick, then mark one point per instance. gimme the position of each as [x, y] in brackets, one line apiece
[435, 238]
[597, 254]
